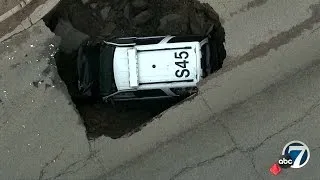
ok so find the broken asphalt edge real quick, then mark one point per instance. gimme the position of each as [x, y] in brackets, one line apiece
[33, 18]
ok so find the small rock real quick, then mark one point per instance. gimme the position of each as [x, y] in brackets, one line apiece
[174, 24]
[143, 17]
[105, 12]
[169, 18]
[108, 29]
[93, 5]
[197, 24]
[123, 4]
[195, 28]
[127, 11]
[35, 84]
[140, 4]
[85, 1]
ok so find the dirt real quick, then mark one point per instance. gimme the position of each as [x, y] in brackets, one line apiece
[111, 120]
[124, 18]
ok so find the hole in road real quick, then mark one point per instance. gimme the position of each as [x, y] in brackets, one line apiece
[76, 20]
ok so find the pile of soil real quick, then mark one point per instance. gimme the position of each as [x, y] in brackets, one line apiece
[125, 18]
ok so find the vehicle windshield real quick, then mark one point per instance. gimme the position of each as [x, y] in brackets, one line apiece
[95, 70]
[106, 73]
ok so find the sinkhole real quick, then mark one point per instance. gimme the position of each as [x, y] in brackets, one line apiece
[77, 20]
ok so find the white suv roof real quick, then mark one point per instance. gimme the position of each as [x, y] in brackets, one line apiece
[157, 66]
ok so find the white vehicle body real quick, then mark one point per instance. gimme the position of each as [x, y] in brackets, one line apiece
[157, 66]
[146, 68]
[153, 66]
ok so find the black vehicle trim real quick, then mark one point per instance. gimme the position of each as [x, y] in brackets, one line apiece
[167, 82]
[191, 38]
[165, 49]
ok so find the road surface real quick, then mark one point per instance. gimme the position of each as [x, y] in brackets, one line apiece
[243, 141]
[42, 136]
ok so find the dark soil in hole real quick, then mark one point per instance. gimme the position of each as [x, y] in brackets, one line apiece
[100, 118]
[123, 18]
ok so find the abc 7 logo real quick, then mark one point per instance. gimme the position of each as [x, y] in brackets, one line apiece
[295, 154]
[285, 161]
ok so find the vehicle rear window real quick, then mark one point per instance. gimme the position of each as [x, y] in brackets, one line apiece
[150, 40]
[186, 39]
[149, 93]
[106, 75]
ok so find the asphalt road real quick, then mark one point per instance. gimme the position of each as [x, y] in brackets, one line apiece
[243, 141]
[42, 136]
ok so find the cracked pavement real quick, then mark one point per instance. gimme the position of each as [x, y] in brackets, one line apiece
[40, 139]
[234, 129]
[222, 148]
[244, 140]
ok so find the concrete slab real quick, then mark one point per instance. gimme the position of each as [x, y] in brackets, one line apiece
[199, 145]
[253, 24]
[231, 166]
[168, 125]
[262, 23]
[275, 108]
[41, 134]
[245, 80]
[305, 130]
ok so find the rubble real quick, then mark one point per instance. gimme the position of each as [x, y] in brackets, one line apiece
[105, 12]
[127, 11]
[140, 4]
[198, 24]
[93, 5]
[85, 1]
[143, 17]
[109, 28]
[174, 24]
[140, 17]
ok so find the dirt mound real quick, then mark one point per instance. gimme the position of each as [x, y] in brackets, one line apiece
[125, 18]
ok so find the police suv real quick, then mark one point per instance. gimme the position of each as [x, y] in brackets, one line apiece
[137, 68]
